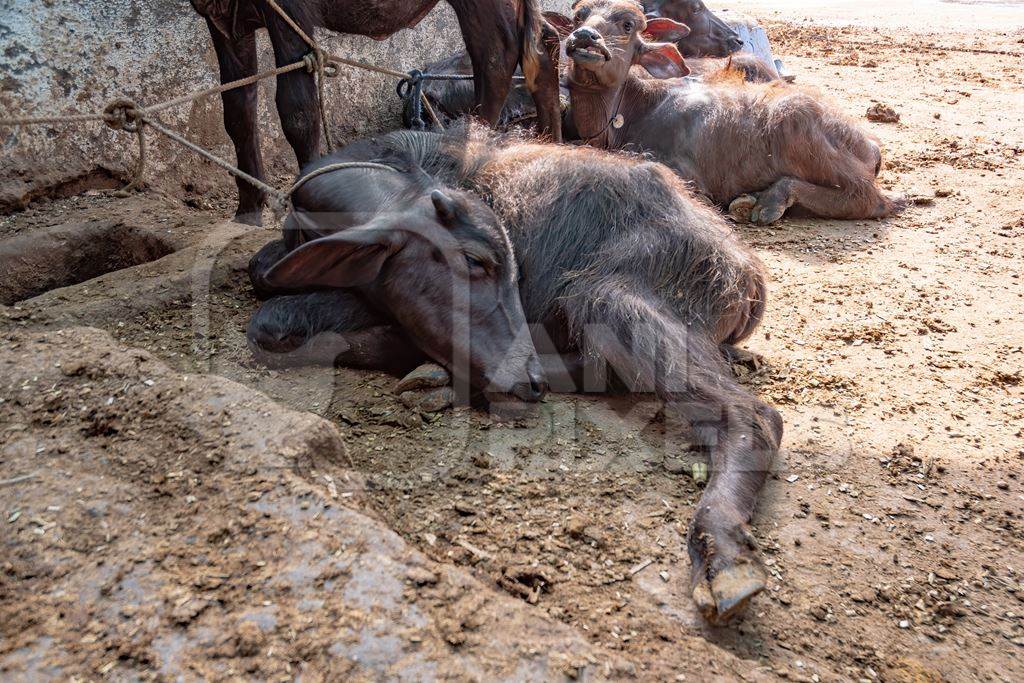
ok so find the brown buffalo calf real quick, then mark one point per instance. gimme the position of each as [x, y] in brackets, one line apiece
[709, 35]
[757, 148]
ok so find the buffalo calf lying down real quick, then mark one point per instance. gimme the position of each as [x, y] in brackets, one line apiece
[623, 274]
[708, 36]
[759, 148]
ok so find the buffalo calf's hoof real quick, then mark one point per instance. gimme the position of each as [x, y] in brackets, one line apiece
[427, 389]
[725, 572]
[767, 213]
[726, 595]
[430, 401]
[763, 208]
[426, 376]
[740, 208]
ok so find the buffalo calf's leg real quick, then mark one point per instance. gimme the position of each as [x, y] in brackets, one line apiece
[237, 59]
[564, 372]
[743, 434]
[297, 104]
[260, 263]
[863, 201]
[329, 327]
[648, 346]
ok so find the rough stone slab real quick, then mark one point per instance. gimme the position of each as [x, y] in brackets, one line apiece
[170, 526]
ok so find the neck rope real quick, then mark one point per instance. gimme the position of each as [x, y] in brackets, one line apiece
[612, 120]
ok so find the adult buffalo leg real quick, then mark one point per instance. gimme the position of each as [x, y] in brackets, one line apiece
[297, 104]
[330, 327]
[650, 348]
[489, 29]
[768, 206]
[237, 59]
[541, 71]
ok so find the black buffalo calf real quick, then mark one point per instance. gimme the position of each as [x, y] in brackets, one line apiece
[620, 270]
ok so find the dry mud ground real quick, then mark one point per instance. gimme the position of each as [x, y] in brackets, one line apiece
[179, 524]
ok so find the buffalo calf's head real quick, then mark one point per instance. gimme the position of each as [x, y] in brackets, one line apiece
[709, 35]
[443, 269]
[610, 36]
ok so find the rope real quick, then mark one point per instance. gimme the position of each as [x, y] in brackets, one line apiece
[324, 59]
[389, 72]
[320, 74]
[240, 83]
[282, 199]
[410, 88]
[615, 114]
[124, 114]
[316, 64]
[74, 117]
[295, 27]
[237, 172]
[57, 118]
[336, 167]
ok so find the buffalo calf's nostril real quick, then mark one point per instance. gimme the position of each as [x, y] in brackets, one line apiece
[539, 387]
[585, 35]
[531, 391]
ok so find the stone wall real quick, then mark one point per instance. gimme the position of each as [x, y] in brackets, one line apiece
[76, 55]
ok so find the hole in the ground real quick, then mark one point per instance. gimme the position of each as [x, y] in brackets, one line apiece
[35, 262]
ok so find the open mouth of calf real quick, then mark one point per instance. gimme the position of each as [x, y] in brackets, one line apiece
[590, 53]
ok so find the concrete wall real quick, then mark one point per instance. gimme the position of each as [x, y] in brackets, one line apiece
[76, 55]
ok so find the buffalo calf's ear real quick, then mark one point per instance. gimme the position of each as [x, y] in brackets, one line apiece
[561, 23]
[662, 30]
[349, 258]
[662, 60]
[445, 207]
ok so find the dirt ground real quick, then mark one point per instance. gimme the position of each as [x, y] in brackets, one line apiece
[893, 525]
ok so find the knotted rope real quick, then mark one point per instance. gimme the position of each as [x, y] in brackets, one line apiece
[122, 114]
[410, 89]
